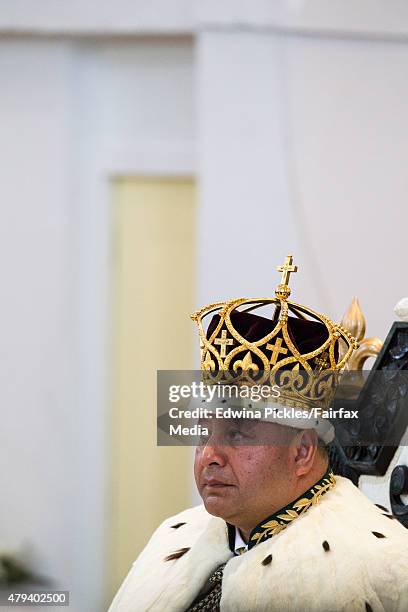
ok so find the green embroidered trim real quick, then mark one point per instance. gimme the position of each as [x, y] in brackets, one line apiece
[281, 519]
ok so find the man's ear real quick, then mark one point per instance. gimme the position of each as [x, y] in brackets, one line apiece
[304, 451]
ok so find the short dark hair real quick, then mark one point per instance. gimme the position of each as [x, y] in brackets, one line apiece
[323, 451]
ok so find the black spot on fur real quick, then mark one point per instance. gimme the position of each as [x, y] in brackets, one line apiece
[267, 560]
[378, 534]
[390, 516]
[177, 554]
[382, 507]
[368, 607]
[177, 525]
[326, 546]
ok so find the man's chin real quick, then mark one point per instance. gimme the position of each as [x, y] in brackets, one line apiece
[218, 507]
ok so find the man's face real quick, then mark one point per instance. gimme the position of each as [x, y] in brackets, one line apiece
[242, 469]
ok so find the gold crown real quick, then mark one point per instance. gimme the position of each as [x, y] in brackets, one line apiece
[276, 356]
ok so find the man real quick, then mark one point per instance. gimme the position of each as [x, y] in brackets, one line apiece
[278, 531]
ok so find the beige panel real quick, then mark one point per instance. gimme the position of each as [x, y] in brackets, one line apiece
[154, 296]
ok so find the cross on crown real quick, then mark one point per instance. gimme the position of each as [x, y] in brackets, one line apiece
[276, 349]
[224, 342]
[283, 290]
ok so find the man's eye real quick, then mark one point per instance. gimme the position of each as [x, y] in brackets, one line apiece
[203, 439]
[235, 435]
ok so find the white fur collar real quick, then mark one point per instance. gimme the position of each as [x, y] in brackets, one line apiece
[358, 567]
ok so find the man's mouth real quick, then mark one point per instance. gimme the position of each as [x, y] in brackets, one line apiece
[214, 483]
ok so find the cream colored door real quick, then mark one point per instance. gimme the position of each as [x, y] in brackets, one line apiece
[153, 297]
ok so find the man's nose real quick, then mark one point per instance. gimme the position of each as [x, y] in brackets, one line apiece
[213, 454]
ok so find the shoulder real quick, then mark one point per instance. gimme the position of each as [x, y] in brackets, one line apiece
[344, 544]
[367, 530]
[174, 564]
[360, 513]
[376, 534]
[361, 544]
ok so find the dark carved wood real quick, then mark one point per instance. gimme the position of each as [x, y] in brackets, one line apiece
[368, 446]
[398, 487]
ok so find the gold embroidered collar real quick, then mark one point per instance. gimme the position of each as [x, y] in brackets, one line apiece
[278, 521]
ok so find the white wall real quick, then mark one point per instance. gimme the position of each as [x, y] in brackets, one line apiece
[375, 18]
[82, 17]
[367, 18]
[132, 120]
[71, 116]
[245, 201]
[37, 449]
